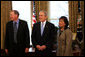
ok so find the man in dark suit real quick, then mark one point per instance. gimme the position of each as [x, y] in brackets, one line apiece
[17, 41]
[43, 35]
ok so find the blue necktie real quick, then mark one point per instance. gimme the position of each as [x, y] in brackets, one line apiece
[42, 28]
[15, 32]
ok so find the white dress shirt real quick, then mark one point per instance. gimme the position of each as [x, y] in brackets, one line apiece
[42, 27]
[44, 24]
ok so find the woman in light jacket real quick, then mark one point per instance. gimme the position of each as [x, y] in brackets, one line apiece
[64, 38]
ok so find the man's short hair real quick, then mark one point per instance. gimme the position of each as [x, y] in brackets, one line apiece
[44, 12]
[15, 12]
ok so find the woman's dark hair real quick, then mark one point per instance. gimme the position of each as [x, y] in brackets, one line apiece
[65, 21]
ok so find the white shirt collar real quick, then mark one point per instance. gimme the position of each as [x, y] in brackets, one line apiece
[44, 23]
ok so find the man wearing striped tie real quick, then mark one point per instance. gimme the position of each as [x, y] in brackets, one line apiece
[43, 35]
[17, 36]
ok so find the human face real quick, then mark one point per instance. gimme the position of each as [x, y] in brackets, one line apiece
[61, 23]
[42, 17]
[13, 16]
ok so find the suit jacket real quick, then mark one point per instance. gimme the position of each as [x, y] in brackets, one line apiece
[22, 36]
[48, 35]
[64, 43]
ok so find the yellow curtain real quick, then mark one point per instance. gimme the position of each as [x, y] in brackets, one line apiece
[6, 7]
[82, 13]
[40, 5]
[82, 17]
[73, 15]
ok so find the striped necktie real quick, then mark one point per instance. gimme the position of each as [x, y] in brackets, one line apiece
[15, 32]
[42, 28]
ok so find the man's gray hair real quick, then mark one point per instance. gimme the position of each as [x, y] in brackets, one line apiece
[44, 12]
[15, 12]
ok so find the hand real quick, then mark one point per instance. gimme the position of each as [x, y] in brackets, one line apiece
[6, 50]
[38, 47]
[43, 47]
[26, 50]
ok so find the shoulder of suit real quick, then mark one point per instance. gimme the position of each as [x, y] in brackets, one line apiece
[37, 23]
[9, 22]
[50, 23]
[47, 23]
[22, 21]
[68, 30]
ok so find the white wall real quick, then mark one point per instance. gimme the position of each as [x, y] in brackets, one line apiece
[58, 9]
[24, 8]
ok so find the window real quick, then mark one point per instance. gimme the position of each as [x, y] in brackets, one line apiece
[24, 8]
[56, 10]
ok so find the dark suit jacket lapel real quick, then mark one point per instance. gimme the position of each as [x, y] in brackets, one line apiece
[45, 28]
[12, 30]
[12, 26]
[39, 28]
